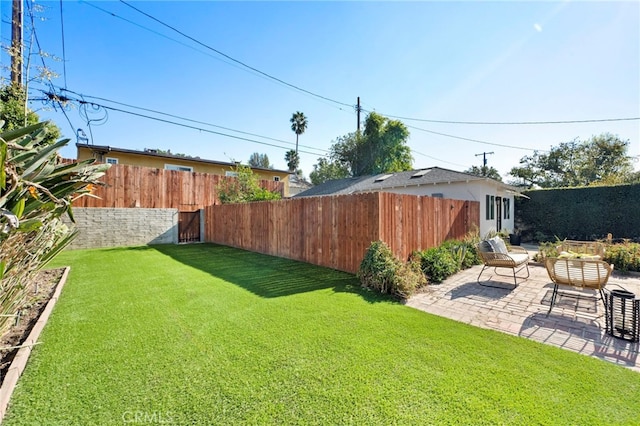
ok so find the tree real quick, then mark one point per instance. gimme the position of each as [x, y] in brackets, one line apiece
[382, 148]
[243, 188]
[298, 124]
[602, 158]
[293, 160]
[485, 171]
[15, 115]
[259, 160]
[327, 169]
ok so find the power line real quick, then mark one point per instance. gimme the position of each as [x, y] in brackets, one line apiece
[293, 86]
[188, 119]
[511, 123]
[44, 65]
[82, 102]
[473, 140]
[157, 33]
[437, 159]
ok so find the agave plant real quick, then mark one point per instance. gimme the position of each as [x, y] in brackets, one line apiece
[36, 190]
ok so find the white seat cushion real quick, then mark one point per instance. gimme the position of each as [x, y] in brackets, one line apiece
[519, 258]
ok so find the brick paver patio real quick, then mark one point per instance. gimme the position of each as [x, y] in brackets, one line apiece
[575, 323]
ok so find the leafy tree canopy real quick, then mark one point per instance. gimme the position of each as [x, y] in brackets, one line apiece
[601, 159]
[489, 172]
[327, 169]
[381, 148]
[243, 188]
[259, 160]
[16, 115]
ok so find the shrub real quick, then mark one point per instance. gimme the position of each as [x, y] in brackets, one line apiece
[382, 271]
[409, 277]
[547, 249]
[625, 257]
[463, 252]
[438, 263]
[36, 189]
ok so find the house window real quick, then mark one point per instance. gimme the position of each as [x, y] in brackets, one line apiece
[231, 174]
[178, 168]
[276, 178]
[437, 195]
[490, 207]
[507, 208]
[111, 160]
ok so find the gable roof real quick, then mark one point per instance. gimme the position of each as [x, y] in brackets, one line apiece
[153, 153]
[428, 176]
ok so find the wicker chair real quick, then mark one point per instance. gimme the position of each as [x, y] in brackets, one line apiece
[595, 248]
[516, 259]
[578, 273]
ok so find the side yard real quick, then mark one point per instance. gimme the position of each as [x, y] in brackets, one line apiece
[206, 334]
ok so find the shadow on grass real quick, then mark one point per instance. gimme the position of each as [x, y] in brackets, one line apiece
[264, 275]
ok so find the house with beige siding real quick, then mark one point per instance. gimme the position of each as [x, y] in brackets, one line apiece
[162, 160]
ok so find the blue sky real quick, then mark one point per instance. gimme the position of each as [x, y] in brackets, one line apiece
[451, 61]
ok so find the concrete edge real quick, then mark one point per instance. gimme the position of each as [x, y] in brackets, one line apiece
[20, 361]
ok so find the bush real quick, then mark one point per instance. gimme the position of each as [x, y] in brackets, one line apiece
[463, 252]
[382, 271]
[625, 257]
[36, 190]
[438, 263]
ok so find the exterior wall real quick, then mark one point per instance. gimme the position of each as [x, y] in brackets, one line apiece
[120, 227]
[159, 162]
[471, 191]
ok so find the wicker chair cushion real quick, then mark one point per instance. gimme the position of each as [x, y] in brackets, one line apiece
[519, 258]
[485, 247]
[498, 245]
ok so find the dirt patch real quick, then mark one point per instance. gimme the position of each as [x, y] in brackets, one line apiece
[41, 290]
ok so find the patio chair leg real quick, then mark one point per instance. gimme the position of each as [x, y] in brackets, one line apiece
[494, 286]
[480, 274]
[553, 297]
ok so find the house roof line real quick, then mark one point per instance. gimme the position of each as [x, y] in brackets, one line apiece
[435, 176]
[106, 148]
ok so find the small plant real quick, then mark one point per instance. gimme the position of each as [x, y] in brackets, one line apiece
[380, 270]
[438, 264]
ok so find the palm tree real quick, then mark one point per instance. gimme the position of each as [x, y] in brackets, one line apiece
[293, 160]
[298, 124]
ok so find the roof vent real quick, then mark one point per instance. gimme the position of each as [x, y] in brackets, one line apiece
[383, 177]
[420, 173]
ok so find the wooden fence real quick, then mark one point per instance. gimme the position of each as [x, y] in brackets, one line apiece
[336, 231]
[136, 186]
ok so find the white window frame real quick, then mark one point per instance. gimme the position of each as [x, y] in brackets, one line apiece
[111, 160]
[231, 174]
[178, 168]
[276, 178]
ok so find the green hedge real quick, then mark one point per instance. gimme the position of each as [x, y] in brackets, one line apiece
[588, 213]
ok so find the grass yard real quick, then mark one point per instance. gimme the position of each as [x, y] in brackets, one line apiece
[205, 334]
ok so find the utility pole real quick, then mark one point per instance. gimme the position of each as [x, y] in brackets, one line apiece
[16, 43]
[358, 111]
[484, 161]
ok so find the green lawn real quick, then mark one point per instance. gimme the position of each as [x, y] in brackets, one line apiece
[204, 334]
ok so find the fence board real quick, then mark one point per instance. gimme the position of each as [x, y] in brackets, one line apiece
[145, 187]
[335, 231]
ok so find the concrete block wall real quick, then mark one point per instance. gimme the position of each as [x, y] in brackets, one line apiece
[119, 227]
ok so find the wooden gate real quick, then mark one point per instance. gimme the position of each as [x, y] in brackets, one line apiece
[188, 227]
